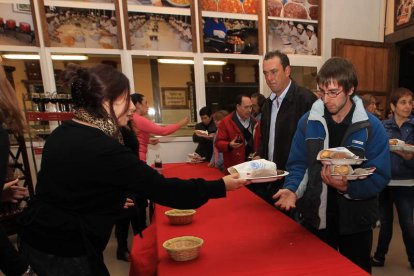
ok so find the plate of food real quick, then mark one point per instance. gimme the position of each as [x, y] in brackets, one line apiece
[201, 132]
[339, 156]
[179, 3]
[399, 145]
[339, 171]
[195, 158]
[263, 179]
[258, 171]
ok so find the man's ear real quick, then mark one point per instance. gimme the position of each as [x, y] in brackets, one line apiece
[351, 91]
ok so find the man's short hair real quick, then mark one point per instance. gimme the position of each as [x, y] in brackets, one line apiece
[340, 70]
[240, 97]
[284, 60]
[260, 98]
[205, 111]
[219, 115]
[399, 93]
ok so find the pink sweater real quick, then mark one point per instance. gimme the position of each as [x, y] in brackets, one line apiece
[145, 128]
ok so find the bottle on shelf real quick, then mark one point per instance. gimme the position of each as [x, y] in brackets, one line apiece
[158, 163]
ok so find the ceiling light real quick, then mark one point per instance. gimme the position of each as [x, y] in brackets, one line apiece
[54, 57]
[69, 57]
[20, 56]
[190, 61]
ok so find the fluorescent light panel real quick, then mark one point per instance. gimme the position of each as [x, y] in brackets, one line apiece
[36, 57]
[190, 61]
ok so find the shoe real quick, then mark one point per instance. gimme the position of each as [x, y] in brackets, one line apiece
[377, 263]
[122, 255]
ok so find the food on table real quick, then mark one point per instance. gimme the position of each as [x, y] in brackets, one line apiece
[250, 6]
[231, 6]
[325, 154]
[180, 217]
[183, 248]
[195, 158]
[293, 10]
[209, 5]
[274, 8]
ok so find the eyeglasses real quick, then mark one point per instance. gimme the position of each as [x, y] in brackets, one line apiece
[331, 93]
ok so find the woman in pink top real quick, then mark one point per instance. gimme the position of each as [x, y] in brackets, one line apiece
[144, 128]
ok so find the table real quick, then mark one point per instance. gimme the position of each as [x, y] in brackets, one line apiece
[242, 235]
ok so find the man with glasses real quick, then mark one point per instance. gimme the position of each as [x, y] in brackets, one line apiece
[238, 135]
[340, 212]
[280, 113]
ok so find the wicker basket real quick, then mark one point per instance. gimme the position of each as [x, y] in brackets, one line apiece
[183, 248]
[176, 216]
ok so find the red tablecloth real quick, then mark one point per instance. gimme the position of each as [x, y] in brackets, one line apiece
[242, 235]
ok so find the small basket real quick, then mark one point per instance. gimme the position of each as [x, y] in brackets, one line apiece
[179, 217]
[183, 248]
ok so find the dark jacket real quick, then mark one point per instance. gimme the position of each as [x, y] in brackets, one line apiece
[401, 169]
[205, 146]
[81, 189]
[358, 207]
[11, 263]
[297, 102]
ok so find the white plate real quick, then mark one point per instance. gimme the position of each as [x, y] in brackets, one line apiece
[402, 148]
[356, 161]
[265, 179]
[194, 161]
[351, 176]
[177, 4]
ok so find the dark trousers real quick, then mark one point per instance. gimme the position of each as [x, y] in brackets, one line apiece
[403, 198]
[136, 216]
[356, 247]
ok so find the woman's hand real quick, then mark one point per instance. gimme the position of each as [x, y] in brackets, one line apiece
[183, 122]
[405, 155]
[234, 182]
[12, 192]
[128, 203]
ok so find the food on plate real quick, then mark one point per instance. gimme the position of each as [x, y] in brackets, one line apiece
[201, 132]
[341, 169]
[264, 173]
[274, 8]
[293, 10]
[313, 12]
[250, 6]
[393, 142]
[332, 154]
[340, 155]
[180, 2]
[209, 5]
[231, 6]
[325, 154]
[359, 171]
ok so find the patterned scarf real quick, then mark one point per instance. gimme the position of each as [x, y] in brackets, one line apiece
[108, 126]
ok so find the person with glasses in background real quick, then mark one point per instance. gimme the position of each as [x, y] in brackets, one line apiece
[370, 104]
[341, 212]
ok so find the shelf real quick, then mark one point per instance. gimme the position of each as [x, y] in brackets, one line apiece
[49, 116]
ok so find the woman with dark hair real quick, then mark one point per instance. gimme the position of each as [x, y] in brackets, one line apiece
[400, 190]
[144, 128]
[11, 262]
[85, 173]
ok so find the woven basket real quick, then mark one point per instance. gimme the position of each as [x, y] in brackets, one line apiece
[183, 248]
[176, 216]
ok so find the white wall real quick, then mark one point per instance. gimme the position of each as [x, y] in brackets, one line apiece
[352, 19]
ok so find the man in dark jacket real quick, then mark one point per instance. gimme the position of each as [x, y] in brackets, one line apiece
[205, 140]
[280, 115]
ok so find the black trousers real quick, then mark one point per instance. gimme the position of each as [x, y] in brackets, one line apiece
[356, 247]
